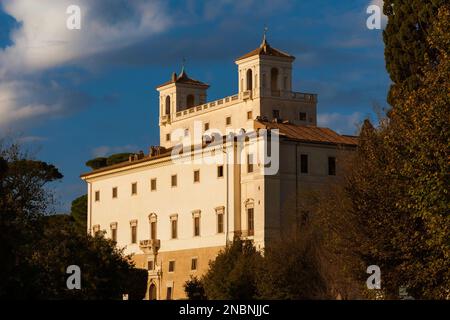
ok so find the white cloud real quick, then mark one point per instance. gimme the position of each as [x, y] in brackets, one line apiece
[344, 124]
[23, 101]
[42, 42]
[16, 105]
[103, 151]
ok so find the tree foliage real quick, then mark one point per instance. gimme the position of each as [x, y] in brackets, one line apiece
[97, 163]
[232, 275]
[117, 158]
[136, 283]
[78, 211]
[101, 162]
[194, 289]
[36, 248]
[291, 270]
[405, 37]
[398, 210]
[105, 271]
[418, 139]
[23, 201]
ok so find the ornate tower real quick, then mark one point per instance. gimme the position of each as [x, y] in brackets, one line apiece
[265, 72]
[180, 93]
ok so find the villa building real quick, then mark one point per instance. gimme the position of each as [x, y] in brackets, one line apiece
[176, 207]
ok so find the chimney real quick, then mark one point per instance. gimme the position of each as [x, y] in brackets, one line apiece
[152, 152]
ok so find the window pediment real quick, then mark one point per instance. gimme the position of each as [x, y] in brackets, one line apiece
[152, 217]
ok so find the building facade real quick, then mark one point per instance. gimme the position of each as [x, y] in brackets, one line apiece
[210, 180]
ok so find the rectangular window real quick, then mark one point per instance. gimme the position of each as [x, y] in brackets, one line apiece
[114, 234]
[133, 234]
[219, 171]
[197, 176]
[250, 222]
[228, 121]
[174, 223]
[97, 195]
[194, 264]
[276, 114]
[186, 132]
[173, 180]
[167, 136]
[172, 266]
[249, 163]
[153, 230]
[331, 166]
[150, 265]
[196, 226]
[220, 223]
[304, 163]
[302, 116]
[249, 115]
[206, 126]
[169, 293]
[153, 184]
[134, 188]
[114, 192]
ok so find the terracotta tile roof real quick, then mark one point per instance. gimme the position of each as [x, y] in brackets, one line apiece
[184, 78]
[308, 133]
[266, 50]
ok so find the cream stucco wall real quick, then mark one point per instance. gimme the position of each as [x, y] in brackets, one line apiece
[287, 188]
[187, 197]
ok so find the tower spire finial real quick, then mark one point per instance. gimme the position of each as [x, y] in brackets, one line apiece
[265, 33]
[264, 43]
[183, 63]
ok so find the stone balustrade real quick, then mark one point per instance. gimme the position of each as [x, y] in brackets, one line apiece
[230, 100]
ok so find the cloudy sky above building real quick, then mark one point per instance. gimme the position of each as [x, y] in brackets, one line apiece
[77, 94]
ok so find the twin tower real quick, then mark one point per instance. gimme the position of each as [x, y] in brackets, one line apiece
[265, 89]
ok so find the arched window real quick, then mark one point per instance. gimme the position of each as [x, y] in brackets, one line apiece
[167, 109]
[249, 79]
[190, 101]
[152, 292]
[274, 79]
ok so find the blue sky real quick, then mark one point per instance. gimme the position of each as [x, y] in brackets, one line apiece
[73, 95]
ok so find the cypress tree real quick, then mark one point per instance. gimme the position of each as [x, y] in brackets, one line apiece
[409, 23]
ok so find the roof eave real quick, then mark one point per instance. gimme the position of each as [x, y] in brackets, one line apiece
[244, 57]
[202, 85]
